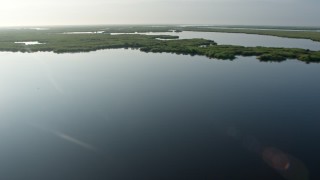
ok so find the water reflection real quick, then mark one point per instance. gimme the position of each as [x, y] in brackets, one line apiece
[124, 114]
[65, 137]
[288, 166]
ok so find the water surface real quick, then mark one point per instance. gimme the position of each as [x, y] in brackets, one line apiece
[124, 114]
[249, 40]
[29, 42]
[85, 32]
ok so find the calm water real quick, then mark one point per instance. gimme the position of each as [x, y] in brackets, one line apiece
[123, 114]
[29, 42]
[249, 40]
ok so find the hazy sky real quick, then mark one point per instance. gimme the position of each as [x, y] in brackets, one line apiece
[72, 12]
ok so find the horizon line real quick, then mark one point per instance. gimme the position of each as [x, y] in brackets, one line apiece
[152, 24]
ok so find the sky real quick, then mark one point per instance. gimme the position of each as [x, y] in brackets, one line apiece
[213, 12]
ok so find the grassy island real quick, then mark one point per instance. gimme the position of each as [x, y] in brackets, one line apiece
[56, 40]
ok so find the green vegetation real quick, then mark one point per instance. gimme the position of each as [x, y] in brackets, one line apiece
[56, 41]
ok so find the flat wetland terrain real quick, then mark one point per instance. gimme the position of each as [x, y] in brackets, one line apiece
[91, 38]
[153, 102]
